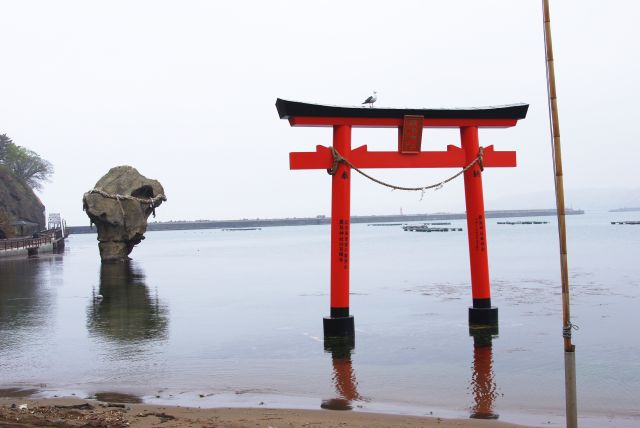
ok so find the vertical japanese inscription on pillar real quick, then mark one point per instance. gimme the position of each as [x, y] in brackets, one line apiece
[343, 243]
[480, 234]
[411, 141]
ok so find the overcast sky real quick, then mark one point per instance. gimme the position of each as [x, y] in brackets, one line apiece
[184, 91]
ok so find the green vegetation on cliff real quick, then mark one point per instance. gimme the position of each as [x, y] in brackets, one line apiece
[26, 165]
[21, 171]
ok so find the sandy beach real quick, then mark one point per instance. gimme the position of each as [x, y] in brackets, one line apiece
[73, 412]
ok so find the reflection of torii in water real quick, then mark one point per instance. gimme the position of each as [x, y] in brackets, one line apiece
[483, 386]
[344, 378]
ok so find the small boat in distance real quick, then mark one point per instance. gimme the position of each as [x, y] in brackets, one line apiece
[236, 229]
[426, 228]
[522, 222]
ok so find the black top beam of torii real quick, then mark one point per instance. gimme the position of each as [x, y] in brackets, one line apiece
[292, 109]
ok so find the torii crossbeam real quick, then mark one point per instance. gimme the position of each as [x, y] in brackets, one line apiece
[410, 123]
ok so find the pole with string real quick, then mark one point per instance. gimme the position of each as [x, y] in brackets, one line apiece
[569, 348]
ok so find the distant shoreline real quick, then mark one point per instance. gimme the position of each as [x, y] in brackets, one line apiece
[624, 210]
[307, 221]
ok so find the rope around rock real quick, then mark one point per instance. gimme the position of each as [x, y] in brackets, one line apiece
[337, 159]
[149, 201]
[152, 202]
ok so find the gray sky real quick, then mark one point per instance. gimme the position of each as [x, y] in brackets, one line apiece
[185, 90]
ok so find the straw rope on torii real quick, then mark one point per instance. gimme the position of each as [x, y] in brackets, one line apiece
[337, 158]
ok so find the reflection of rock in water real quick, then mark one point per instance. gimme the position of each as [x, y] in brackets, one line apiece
[25, 301]
[126, 312]
[344, 377]
[483, 386]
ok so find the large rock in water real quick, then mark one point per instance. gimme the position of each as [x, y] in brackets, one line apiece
[119, 206]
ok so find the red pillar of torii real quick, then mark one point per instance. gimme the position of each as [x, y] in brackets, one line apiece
[409, 123]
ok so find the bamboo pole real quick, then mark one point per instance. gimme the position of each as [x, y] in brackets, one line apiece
[559, 183]
[569, 348]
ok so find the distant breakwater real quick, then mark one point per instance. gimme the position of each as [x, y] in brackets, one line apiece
[307, 221]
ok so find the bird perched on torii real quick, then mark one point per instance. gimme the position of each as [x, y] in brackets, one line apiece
[372, 99]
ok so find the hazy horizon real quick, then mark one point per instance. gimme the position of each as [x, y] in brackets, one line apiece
[588, 200]
[185, 92]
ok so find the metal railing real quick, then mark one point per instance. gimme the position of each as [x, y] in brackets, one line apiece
[21, 243]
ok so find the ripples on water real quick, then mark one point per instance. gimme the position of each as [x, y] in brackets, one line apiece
[210, 318]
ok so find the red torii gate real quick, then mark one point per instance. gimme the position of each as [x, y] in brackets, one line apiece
[410, 123]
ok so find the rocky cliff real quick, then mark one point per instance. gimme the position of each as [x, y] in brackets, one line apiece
[18, 202]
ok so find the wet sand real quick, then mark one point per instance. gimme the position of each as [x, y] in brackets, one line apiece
[73, 412]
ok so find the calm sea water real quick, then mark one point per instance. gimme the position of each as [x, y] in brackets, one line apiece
[213, 318]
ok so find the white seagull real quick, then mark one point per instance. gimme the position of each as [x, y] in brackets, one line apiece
[372, 99]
